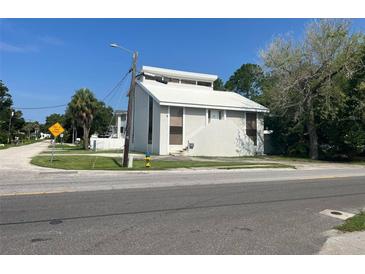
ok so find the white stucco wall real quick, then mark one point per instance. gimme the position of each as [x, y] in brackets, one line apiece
[237, 117]
[156, 128]
[222, 138]
[194, 122]
[164, 130]
[260, 134]
[140, 120]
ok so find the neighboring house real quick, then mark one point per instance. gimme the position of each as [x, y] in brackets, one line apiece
[115, 138]
[45, 135]
[186, 116]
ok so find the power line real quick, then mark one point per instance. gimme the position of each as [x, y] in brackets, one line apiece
[45, 107]
[63, 105]
[116, 86]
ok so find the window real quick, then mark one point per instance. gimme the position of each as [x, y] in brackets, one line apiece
[214, 115]
[150, 119]
[205, 84]
[121, 129]
[251, 126]
[176, 126]
[149, 77]
[153, 77]
[189, 82]
[172, 80]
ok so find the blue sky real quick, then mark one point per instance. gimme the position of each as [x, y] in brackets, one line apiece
[43, 61]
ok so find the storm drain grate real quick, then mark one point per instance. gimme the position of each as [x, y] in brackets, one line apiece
[337, 214]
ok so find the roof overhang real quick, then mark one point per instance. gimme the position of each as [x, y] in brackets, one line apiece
[179, 74]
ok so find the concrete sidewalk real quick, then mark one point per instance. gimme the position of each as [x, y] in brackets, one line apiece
[344, 244]
[18, 176]
[21, 183]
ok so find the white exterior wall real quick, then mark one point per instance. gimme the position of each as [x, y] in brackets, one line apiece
[260, 134]
[194, 122]
[140, 120]
[156, 128]
[164, 130]
[237, 117]
[221, 138]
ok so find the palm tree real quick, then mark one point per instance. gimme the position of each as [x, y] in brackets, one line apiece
[82, 108]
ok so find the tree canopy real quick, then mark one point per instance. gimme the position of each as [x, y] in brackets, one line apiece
[308, 79]
[15, 121]
[83, 107]
[246, 80]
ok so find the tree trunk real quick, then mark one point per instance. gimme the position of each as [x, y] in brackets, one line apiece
[313, 137]
[73, 134]
[86, 137]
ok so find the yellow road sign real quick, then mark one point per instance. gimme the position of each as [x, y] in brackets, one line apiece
[56, 129]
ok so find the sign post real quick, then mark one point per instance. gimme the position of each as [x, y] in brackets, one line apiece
[56, 129]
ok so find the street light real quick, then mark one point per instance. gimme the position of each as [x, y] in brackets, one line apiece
[115, 45]
[130, 95]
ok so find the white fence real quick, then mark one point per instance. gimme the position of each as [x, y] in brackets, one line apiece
[106, 143]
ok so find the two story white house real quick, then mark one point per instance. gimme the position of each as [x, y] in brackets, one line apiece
[181, 113]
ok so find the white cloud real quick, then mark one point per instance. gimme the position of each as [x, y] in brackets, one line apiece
[15, 48]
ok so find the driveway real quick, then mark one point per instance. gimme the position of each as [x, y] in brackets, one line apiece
[18, 158]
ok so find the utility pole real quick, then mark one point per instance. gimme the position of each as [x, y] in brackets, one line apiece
[129, 111]
[9, 133]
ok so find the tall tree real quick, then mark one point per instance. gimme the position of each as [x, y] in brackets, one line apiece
[83, 106]
[218, 84]
[54, 118]
[306, 71]
[103, 118]
[5, 111]
[246, 80]
[11, 121]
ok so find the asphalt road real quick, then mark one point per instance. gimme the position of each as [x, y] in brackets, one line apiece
[280, 217]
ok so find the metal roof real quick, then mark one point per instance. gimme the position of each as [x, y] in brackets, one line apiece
[198, 97]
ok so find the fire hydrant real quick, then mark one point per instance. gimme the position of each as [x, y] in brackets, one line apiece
[147, 160]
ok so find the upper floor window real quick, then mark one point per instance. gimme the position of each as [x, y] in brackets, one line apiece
[171, 80]
[189, 82]
[205, 84]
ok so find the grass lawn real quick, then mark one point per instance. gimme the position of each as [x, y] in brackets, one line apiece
[356, 223]
[357, 160]
[66, 146]
[110, 163]
[77, 150]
